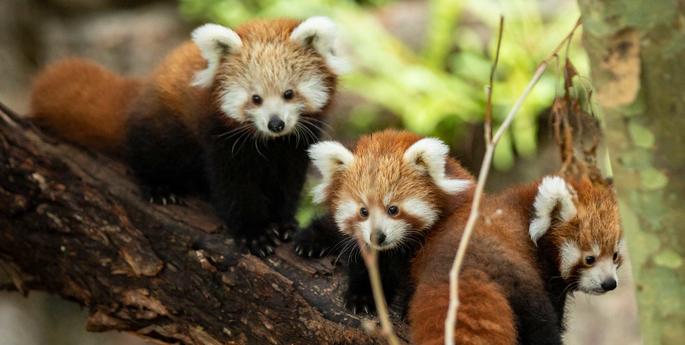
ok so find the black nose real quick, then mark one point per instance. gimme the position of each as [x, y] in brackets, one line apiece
[276, 125]
[609, 284]
[380, 237]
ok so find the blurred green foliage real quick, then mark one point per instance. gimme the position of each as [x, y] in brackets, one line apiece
[438, 88]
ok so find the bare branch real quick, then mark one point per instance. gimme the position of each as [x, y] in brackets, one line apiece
[488, 106]
[491, 144]
[370, 256]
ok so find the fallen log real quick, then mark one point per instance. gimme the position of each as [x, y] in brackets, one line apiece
[73, 223]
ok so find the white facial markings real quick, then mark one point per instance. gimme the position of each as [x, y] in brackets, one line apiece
[569, 256]
[275, 106]
[430, 155]
[596, 249]
[315, 91]
[379, 221]
[232, 101]
[344, 211]
[394, 229]
[552, 191]
[420, 209]
[592, 278]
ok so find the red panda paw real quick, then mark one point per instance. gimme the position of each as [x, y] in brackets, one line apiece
[285, 231]
[319, 239]
[308, 244]
[261, 245]
[161, 195]
[360, 303]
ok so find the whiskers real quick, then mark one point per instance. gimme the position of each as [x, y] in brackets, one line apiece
[307, 131]
[349, 244]
[412, 241]
[240, 135]
[571, 287]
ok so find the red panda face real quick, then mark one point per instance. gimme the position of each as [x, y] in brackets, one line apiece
[271, 75]
[581, 220]
[389, 191]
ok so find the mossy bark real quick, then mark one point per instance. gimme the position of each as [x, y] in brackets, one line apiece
[636, 51]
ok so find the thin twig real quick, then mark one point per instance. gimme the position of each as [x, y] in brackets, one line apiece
[491, 144]
[488, 105]
[370, 256]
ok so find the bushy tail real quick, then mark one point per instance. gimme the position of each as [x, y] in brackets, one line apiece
[484, 317]
[83, 102]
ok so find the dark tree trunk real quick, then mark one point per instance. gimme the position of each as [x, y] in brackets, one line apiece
[72, 223]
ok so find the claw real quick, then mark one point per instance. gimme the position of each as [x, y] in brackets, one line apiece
[354, 309]
[286, 236]
[261, 253]
[151, 200]
[366, 309]
[322, 252]
[269, 249]
[311, 251]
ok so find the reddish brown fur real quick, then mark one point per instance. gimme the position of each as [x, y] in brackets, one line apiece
[377, 167]
[501, 232]
[89, 115]
[597, 221]
[484, 318]
[88, 105]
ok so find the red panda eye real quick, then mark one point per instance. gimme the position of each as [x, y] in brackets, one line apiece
[393, 210]
[364, 212]
[256, 99]
[288, 94]
[589, 260]
[615, 256]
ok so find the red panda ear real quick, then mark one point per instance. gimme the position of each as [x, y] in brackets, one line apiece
[321, 34]
[555, 200]
[429, 155]
[214, 42]
[329, 157]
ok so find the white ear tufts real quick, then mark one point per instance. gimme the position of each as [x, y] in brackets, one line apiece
[430, 155]
[214, 41]
[329, 157]
[321, 33]
[552, 192]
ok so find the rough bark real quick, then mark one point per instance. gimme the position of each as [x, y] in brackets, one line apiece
[636, 51]
[72, 223]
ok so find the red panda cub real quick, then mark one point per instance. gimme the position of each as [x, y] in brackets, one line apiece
[230, 113]
[395, 183]
[532, 246]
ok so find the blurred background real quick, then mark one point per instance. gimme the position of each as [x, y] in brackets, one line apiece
[417, 64]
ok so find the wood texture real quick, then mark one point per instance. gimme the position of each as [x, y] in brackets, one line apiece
[73, 223]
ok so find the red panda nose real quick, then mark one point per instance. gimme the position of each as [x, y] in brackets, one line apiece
[380, 237]
[609, 284]
[276, 125]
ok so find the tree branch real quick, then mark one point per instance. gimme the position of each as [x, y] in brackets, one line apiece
[72, 223]
[490, 145]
